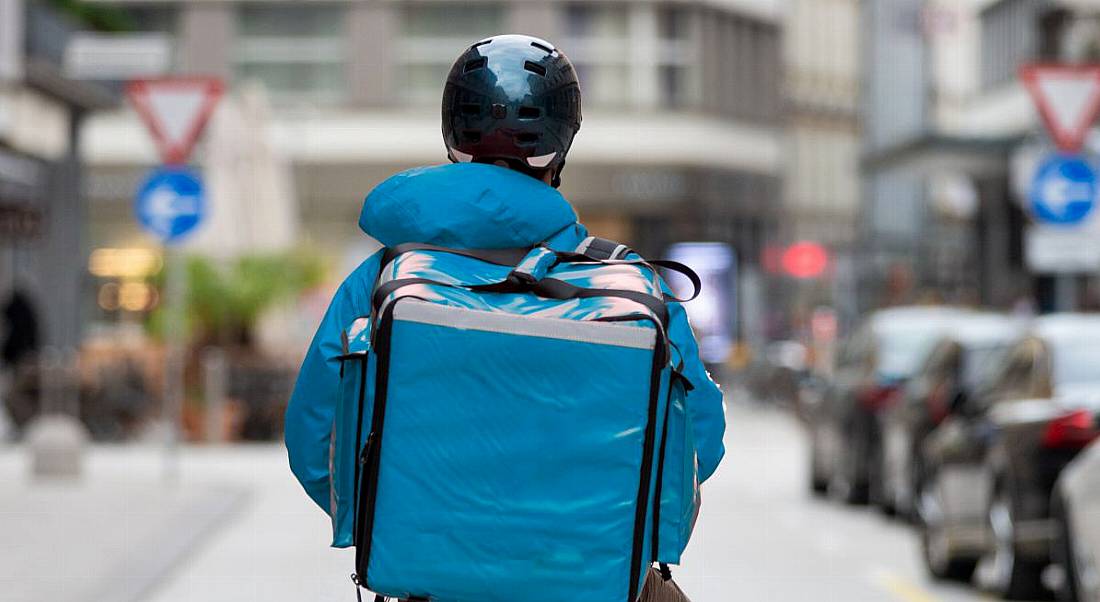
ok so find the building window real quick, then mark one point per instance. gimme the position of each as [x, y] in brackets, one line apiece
[744, 75]
[431, 33]
[597, 39]
[151, 18]
[677, 59]
[1010, 37]
[297, 51]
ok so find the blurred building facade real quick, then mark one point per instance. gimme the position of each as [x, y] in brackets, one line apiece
[42, 206]
[949, 133]
[682, 134]
[821, 173]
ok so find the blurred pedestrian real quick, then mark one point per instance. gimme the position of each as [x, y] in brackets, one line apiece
[20, 338]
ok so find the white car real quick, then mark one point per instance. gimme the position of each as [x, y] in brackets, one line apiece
[1076, 509]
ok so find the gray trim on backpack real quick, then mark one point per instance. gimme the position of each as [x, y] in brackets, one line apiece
[583, 331]
[619, 252]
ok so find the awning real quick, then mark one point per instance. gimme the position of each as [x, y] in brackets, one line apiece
[937, 153]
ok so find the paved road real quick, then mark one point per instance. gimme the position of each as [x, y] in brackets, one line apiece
[763, 537]
[760, 538]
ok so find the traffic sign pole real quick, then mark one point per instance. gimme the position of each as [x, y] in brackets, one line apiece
[170, 204]
[1065, 292]
[175, 360]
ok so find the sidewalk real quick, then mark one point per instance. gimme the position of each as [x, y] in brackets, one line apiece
[235, 528]
[112, 536]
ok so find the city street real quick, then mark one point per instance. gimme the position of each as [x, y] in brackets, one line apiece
[761, 537]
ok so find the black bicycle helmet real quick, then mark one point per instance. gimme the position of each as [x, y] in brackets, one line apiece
[512, 98]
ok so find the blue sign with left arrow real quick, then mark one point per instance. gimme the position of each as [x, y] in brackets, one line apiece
[170, 203]
[1064, 190]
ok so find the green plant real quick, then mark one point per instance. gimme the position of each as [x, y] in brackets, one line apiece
[225, 300]
[96, 16]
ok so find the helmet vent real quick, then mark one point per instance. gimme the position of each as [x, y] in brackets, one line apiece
[471, 109]
[535, 68]
[527, 138]
[541, 47]
[473, 65]
[529, 112]
[472, 136]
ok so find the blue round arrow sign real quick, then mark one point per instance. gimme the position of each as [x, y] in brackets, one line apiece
[1064, 190]
[170, 203]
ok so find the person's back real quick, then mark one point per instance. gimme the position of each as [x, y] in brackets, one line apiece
[510, 111]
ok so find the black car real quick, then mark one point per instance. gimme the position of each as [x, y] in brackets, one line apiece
[872, 366]
[992, 464]
[954, 368]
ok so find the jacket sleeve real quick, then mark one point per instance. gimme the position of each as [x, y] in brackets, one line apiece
[312, 406]
[704, 401]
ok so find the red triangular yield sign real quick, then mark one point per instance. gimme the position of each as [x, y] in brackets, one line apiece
[175, 111]
[1068, 99]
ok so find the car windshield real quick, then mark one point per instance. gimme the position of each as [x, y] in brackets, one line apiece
[1076, 362]
[901, 351]
[980, 363]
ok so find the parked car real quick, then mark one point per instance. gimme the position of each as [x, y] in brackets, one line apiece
[1075, 507]
[992, 464]
[872, 366]
[775, 374]
[954, 367]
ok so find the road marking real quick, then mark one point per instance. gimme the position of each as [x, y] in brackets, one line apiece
[903, 589]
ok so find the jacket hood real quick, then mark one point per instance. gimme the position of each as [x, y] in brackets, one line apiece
[464, 205]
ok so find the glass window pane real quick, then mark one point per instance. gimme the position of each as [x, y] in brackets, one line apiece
[297, 50]
[603, 84]
[432, 34]
[305, 20]
[596, 21]
[424, 83]
[452, 19]
[597, 41]
[672, 23]
[300, 78]
[155, 18]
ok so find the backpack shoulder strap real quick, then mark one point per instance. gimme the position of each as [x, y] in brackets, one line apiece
[602, 248]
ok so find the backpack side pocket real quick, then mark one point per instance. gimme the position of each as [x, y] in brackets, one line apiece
[680, 490]
[353, 411]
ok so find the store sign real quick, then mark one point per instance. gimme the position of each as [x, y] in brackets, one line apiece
[805, 260]
[713, 313]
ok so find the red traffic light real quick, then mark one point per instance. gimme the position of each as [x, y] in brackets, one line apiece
[805, 260]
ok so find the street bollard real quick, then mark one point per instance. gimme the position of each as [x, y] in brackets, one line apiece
[56, 439]
[215, 387]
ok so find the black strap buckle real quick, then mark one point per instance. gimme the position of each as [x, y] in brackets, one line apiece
[521, 279]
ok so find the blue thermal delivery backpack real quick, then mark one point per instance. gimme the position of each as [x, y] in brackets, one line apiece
[512, 427]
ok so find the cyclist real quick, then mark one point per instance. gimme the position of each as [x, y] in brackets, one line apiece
[511, 108]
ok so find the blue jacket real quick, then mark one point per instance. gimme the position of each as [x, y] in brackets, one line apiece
[462, 205]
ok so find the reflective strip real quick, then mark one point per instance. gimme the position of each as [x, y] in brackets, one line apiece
[583, 331]
[619, 252]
